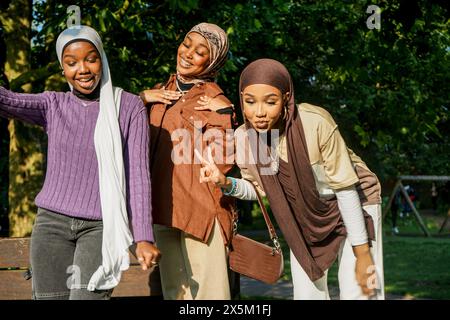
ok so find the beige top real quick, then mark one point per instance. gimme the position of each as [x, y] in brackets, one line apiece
[333, 163]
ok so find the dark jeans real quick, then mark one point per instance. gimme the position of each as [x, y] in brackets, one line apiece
[65, 252]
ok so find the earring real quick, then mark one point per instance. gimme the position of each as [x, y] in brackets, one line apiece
[285, 114]
[62, 72]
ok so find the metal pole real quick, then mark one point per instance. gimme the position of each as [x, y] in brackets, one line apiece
[445, 221]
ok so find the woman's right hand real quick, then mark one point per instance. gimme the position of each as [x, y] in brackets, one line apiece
[210, 104]
[159, 95]
[209, 172]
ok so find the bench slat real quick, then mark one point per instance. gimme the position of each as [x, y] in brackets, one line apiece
[14, 253]
[13, 286]
[134, 283]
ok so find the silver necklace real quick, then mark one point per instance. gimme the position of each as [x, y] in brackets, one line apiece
[183, 92]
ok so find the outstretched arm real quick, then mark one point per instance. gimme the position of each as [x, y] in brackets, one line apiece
[137, 154]
[31, 108]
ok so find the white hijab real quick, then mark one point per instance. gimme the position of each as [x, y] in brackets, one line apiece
[108, 147]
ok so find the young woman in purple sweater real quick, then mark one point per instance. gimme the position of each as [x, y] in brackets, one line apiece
[96, 199]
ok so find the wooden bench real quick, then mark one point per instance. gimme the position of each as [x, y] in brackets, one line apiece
[14, 263]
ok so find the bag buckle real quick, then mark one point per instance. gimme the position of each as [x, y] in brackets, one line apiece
[276, 245]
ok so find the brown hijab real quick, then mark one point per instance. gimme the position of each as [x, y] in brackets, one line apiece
[312, 227]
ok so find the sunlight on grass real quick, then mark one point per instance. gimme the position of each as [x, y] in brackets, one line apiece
[414, 266]
[417, 266]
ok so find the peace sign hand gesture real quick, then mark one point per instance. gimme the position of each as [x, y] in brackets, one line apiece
[209, 172]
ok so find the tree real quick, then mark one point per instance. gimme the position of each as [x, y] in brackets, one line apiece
[26, 150]
[388, 89]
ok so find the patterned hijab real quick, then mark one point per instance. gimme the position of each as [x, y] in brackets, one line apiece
[218, 51]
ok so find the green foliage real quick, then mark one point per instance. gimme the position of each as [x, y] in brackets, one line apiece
[388, 89]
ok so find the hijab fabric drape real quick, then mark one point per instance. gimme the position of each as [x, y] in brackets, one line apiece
[108, 147]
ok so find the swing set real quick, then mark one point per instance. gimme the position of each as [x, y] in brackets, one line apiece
[399, 186]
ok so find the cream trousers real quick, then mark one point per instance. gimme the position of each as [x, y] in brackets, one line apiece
[191, 269]
[305, 289]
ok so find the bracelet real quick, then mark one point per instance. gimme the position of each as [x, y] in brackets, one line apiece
[233, 187]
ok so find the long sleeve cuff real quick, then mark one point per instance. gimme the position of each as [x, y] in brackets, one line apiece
[143, 233]
[243, 190]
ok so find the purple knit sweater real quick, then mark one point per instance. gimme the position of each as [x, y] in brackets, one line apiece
[71, 184]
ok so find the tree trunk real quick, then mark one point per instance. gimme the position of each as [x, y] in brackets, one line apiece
[26, 169]
[4, 177]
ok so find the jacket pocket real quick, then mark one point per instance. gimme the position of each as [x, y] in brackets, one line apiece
[192, 119]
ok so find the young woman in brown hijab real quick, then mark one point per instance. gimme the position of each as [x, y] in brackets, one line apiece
[193, 221]
[317, 187]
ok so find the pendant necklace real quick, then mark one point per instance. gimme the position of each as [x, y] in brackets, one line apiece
[183, 92]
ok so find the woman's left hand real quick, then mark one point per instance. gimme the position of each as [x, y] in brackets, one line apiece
[365, 269]
[147, 254]
[211, 104]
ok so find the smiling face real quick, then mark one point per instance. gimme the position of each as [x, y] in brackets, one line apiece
[263, 105]
[82, 66]
[193, 55]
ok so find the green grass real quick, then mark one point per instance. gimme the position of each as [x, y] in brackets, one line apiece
[418, 267]
[414, 266]
[408, 225]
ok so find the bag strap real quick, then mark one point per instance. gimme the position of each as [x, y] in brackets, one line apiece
[270, 228]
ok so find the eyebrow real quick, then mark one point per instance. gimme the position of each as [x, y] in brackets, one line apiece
[267, 95]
